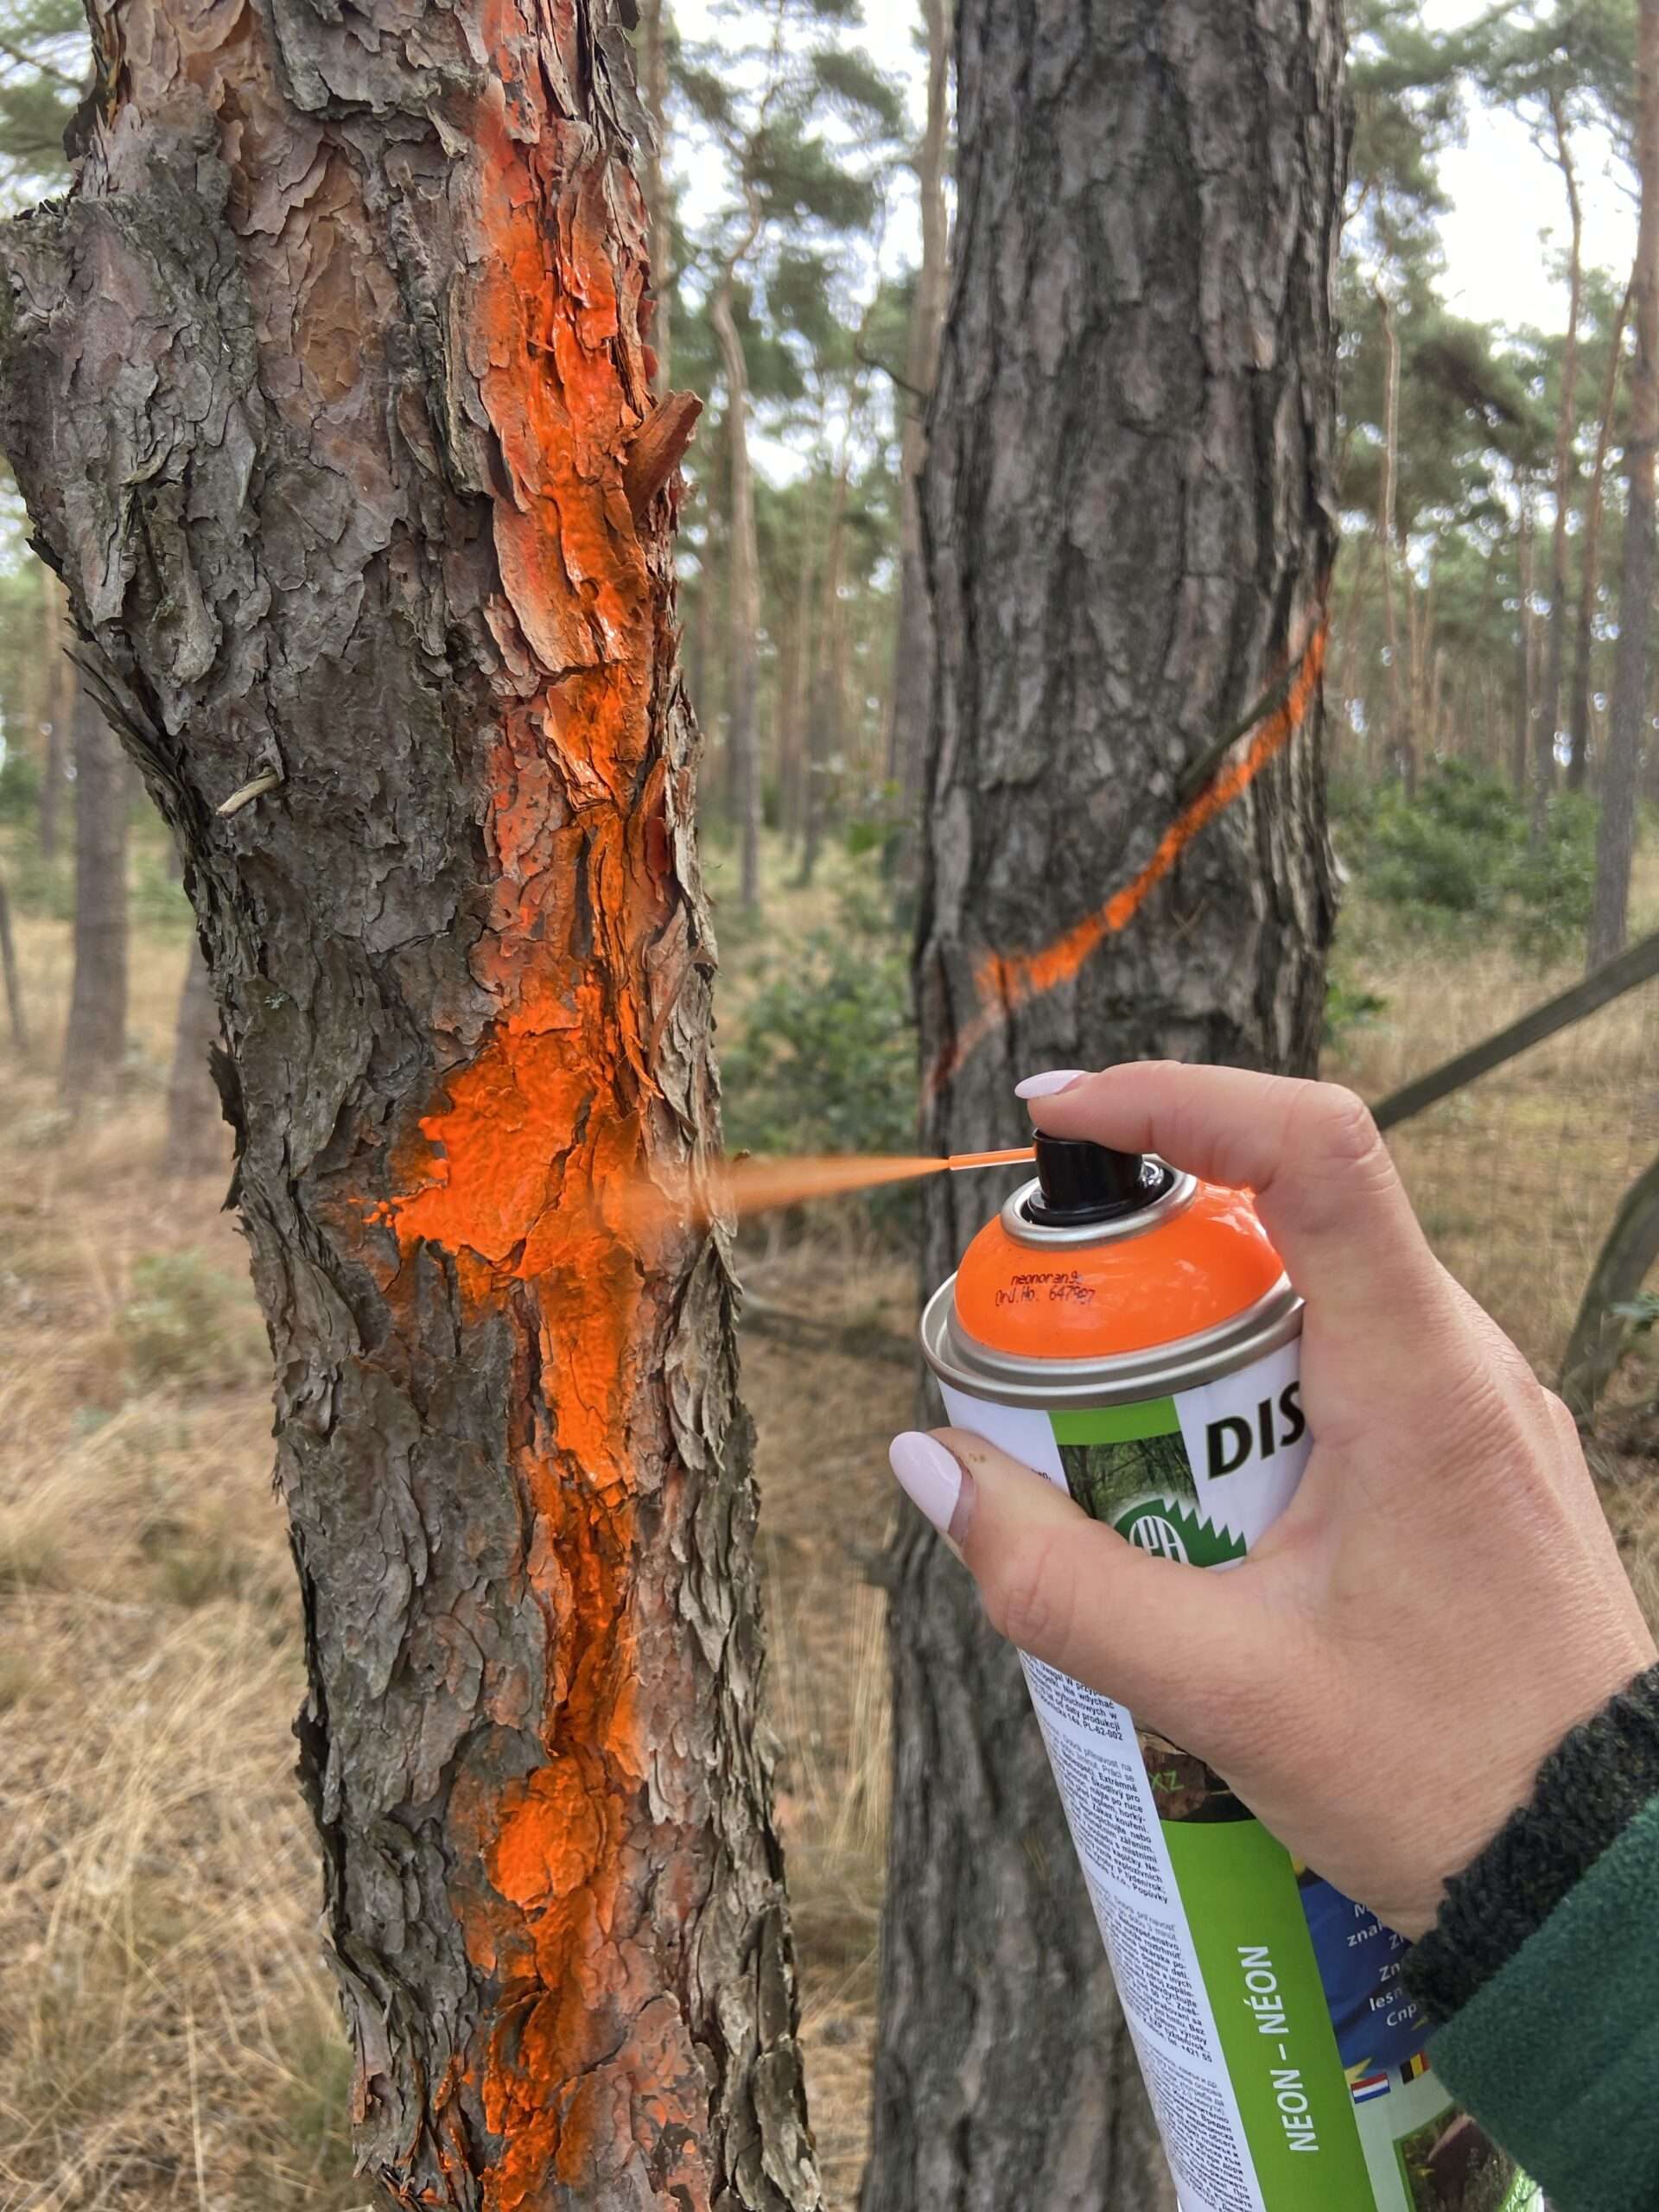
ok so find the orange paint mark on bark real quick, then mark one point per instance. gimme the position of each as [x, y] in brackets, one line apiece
[1006, 984]
[584, 2062]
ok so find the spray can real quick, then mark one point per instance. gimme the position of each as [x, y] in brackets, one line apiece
[1131, 1333]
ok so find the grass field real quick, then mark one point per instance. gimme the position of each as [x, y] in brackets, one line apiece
[168, 2036]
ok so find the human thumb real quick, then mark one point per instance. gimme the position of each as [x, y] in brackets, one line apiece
[1148, 1633]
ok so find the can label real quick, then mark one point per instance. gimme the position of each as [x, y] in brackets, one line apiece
[1285, 2061]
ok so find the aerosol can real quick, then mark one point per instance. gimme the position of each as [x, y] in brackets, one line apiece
[1131, 1334]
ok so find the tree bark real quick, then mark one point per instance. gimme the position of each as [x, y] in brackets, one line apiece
[1589, 582]
[1631, 720]
[913, 663]
[363, 291]
[827, 700]
[1401, 690]
[743, 652]
[195, 1124]
[95, 1040]
[654, 36]
[60, 691]
[1521, 746]
[1131, 520]
[1549, 720]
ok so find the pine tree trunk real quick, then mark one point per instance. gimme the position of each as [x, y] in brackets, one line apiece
[1396, 576]
[194, 1144]
[1631, 722]
[1520, 745]
[826, 702]
[743, 650]
[95, 1040]
[60, 691]
[659, 205]
[1566, 471]
[1590, 583]
[1131, 522]
[399, 549]
[914, 643]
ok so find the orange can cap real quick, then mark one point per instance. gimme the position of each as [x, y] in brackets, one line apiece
[1196, 1268]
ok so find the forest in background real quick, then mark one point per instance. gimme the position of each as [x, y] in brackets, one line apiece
[802, 200]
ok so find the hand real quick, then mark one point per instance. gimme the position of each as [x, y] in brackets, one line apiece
[1381, 1681]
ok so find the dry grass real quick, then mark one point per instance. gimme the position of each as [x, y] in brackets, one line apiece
[168, 2037]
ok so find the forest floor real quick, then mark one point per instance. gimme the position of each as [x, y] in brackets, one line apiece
[168, 2035]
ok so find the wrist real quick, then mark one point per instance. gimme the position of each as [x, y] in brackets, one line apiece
[1585, 1795]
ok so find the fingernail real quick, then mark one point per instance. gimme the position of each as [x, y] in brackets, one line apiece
[929, 1475]
[1050, 1085]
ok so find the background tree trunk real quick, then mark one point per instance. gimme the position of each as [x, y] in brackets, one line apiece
[95, 1040]
[653, 38]
[1396, 573]
[1521, 742]
[1566, 471]
[826, 700]
[61, 690]
[1631, 720]
[742, 663]
[1129, 513]
[194, 1143]
[1589, 582]
[912, 665]
[370, 313]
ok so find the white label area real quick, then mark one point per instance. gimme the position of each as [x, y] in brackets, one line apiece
[1285, 2071]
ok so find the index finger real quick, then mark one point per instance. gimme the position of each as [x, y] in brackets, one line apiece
[1311, 1153]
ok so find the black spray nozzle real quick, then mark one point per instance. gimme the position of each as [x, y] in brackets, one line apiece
[1085, 1184]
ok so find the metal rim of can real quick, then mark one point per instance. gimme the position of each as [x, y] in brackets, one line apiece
[1023, 1231]
[1124, 1378]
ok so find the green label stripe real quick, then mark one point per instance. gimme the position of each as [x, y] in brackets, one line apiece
[1118, 1424]
[1257, 1960]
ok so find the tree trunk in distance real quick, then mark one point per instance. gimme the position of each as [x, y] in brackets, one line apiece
[654, 34]
[371, 311]
[1590, 592]
[913, 642]
[1401, 690]
[1549, 721]
[95, 1040]
[743, 650]
[1520, 749]
[13, 980]
[1631, 720]
[61, 690]
[826, 702]
[194, 1143]
[1131, 524]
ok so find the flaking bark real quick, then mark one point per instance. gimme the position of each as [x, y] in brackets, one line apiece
[1131, 532]
[322, 388]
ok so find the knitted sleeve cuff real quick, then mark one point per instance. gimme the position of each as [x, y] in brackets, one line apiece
[1589, 1792]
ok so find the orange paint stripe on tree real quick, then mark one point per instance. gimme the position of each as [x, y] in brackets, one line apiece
[507, 1175]
[1007, 983]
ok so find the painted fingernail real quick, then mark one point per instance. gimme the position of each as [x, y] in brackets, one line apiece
[929, 1478]
[1050, 1085]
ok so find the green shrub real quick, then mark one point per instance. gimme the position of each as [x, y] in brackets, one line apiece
[1349, 1006]
[185, 1325]
[1448, 853]
[1459, 858]
[1555, 885]
[20, 787]
[825, 1060]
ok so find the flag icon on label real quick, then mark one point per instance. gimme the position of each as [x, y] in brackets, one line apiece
[1414, 2069]
[1373, 2085]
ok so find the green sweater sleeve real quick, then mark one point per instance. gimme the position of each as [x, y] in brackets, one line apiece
[1543, 1973]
